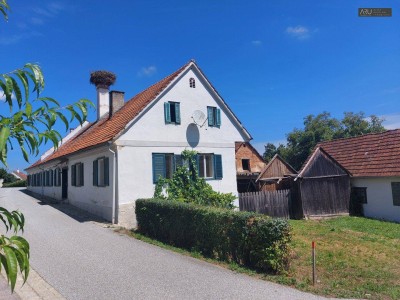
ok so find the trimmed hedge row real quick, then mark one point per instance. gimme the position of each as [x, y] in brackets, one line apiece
[246, 238]
[18, 183]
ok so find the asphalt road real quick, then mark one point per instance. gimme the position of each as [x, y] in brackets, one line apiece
[83, 260]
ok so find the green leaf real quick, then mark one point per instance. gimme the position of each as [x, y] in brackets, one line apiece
[48, 99]
[28, 109]
[24, 153]
[25, 83]
[4, 135]
[64, 119]
[17, 92]
[6, 93]
[12, 265]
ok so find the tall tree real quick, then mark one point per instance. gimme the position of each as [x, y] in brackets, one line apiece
[323, 127]
[28, 123]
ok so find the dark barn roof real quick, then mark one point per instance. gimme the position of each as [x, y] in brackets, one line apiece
[369, 155]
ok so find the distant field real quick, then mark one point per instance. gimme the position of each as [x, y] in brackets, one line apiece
[356, 258]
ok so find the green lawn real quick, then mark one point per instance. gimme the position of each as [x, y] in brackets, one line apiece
[356, 257]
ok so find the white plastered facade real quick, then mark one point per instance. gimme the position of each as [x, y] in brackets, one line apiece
[148, 133]
[379, 197]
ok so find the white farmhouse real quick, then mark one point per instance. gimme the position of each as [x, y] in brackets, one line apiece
[373, 161]
[105, 166]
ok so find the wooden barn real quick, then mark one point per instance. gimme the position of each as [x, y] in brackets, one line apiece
[322, 187]
[277, 175]
[249, 164]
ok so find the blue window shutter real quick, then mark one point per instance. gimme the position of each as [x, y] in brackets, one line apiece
[59, 177]
[73, 177]
[178, 161]
[218, 166]
[106, 171]
[177, 113]
[167, 112]
[51, 177]
[82, 180]
[218, 121]
[95, 173]
[210, 116]
[158, 166]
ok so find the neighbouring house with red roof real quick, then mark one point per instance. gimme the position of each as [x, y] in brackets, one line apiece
[105, 166]
[19, 175]
[373, 162]
[249, 164]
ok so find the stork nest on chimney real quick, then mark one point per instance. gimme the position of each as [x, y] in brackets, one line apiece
[102, 78]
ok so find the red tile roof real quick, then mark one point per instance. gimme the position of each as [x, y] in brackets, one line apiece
[369, 155]
[21, 175]
[106, 128]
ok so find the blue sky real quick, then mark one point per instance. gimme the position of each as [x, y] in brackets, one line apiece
[274, 62]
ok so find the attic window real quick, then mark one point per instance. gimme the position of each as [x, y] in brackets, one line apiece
[192, 83]
[246, 164]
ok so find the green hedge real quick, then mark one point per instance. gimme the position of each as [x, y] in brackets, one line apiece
[19, 183]
[246, 238]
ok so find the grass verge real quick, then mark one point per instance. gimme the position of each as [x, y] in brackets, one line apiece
[356, 258]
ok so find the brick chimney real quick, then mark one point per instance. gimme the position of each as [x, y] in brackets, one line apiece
[102, 80]
[116, 101]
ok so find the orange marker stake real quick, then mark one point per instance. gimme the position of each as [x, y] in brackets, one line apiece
[314, 272]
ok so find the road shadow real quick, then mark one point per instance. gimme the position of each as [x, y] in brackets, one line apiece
[76, 213]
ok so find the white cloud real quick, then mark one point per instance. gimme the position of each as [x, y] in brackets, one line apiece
[14, 39]
[148, 71]
[9, 40]
[256, 43]
[37, 21]
[3, 97]
[42, 14]
[391, 121]
[299, 32]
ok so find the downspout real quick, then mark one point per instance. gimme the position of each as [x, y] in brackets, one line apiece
[114, 217]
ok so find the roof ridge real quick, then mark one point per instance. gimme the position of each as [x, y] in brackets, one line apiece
[358, 136]
[106, 128]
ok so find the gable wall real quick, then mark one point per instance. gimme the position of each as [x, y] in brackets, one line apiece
[151, 127]
[247, 152]
[322, 165]
[149, 134]
[277, 169]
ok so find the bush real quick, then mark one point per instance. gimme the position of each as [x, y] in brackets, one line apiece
[19, 183]
[186, 186]
[249, 239]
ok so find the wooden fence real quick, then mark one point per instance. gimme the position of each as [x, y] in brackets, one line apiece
[272, 203]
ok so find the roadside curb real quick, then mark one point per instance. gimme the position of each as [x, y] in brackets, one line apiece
[35, 288]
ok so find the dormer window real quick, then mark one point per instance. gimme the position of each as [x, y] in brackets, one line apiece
[192, 83]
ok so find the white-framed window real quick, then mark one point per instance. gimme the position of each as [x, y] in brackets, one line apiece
[206, 165]
[214, 116]
[77, 175]
[172, 112]
[209, 165]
